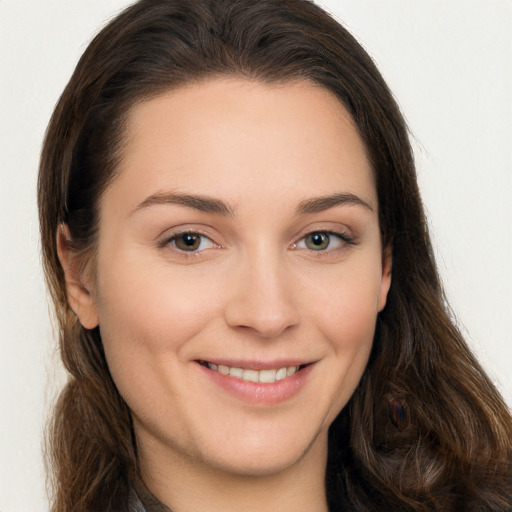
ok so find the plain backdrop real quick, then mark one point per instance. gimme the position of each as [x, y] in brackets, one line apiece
[449, 64]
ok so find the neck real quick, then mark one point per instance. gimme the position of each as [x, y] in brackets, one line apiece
[189, 485]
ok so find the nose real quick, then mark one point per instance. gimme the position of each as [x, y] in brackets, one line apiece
[261, 299]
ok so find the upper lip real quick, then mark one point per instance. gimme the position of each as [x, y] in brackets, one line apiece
[257, 364]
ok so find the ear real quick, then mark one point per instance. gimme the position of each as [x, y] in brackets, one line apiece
[385, 281]
[79, 292]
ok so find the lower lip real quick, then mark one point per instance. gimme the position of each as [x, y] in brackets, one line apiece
[257, 393]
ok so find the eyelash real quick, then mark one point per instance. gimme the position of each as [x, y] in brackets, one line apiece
[343, 238]
[171, 241]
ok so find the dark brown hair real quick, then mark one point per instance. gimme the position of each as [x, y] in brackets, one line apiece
[425, 429]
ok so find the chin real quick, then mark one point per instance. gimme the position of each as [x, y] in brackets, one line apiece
[261, 456]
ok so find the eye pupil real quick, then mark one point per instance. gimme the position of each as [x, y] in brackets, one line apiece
[317, 241]
[188, 241]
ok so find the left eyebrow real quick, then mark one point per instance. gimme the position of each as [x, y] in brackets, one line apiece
[197, 202]
[322, 203]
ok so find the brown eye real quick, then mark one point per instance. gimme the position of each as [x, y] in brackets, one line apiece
[317, 241]
[190, 242]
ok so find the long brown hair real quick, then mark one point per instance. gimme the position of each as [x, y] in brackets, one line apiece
[425, 429]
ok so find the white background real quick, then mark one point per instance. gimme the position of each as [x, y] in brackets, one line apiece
[450, 66]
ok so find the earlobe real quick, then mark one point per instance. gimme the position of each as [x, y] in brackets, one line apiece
[79, 293]
[385, 282]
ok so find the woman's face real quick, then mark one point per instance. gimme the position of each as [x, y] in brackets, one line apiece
[239, 272]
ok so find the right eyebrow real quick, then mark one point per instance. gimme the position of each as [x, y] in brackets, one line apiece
[322, 203]
[197, 202]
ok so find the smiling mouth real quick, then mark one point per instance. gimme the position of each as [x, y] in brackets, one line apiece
[250, 375]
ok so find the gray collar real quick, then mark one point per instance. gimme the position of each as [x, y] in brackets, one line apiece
[141, 499]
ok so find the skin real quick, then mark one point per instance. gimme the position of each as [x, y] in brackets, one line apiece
[256, 289]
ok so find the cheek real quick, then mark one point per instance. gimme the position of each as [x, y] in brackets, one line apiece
[155, 307]
[345, 315]
[345, 306]
[146, 318]
[350, 327]
[351, 343]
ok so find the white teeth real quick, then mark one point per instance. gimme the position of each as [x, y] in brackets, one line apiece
[250, 375]
[281, 373]
[267, 375]
[236, 372]
[222, 369]
[264, 376]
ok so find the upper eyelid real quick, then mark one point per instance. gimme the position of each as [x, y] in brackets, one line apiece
[176, 235]
[344, 234]
[170, 234]
[167, 243]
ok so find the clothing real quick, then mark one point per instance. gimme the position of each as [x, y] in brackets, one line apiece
[141, 499]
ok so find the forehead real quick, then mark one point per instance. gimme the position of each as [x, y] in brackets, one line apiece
[213, 136]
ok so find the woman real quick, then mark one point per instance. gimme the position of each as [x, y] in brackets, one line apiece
[248, 302]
